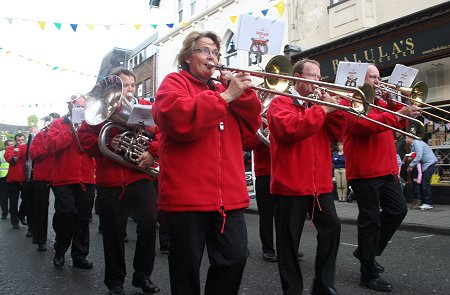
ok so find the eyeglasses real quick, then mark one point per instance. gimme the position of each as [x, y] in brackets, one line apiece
[206, 51]
[312, 75]
[375, 77]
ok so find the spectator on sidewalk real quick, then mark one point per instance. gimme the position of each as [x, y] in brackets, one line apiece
[426, 157]
[338, 160]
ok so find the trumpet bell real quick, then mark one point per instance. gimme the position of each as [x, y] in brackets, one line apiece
[279, 65]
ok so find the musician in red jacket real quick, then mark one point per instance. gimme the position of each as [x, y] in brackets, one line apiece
[42, 176]
[372, 172]
[301, 180]
[15, 155]
[201, 183]
[73, 187]
[121, 191]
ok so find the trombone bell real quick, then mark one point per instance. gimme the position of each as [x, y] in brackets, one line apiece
[279, 65]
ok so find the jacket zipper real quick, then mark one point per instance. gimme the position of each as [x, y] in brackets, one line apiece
[222, 207]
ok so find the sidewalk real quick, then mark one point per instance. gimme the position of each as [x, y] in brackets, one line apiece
[434, 221]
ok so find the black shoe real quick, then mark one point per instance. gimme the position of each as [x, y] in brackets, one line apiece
[299, 255]
[58, 260]
[23, 221]
[29, 234]
[82, 262]
[320, 289]
[146, 285]
[4, 216]
[270, 257]
[42, 247]
[117, 290]
[16, 226]
[379, 267]
[377, 284]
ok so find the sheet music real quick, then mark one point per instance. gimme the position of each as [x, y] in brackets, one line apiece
[403, 76]
[351, 73]
[141, 114]
[77, 115]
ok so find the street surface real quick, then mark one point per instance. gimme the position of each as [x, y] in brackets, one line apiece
[416, 263]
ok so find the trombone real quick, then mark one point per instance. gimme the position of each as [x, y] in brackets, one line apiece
[277, 77]
[369, 92]
[416, 95]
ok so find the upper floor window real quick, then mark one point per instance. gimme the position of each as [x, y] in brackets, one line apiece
[180, 11]
[230, 55]
[192, 4]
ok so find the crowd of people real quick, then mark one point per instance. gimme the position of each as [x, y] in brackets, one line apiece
[210, 121]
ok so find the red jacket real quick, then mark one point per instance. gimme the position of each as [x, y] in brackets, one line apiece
[71, 165]
[261, 155]
[16, 172]
[200, 150]
[300, 147]
[369, 148]
[109, 172]
[43, 160]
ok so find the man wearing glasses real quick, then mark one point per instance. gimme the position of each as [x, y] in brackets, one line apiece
[301, 179]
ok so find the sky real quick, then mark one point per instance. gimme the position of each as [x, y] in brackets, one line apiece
[41, 68]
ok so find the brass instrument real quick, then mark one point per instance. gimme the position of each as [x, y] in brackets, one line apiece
[46, 121]
[106, 103]
[356, 101]
[416, 95]
[275, 80]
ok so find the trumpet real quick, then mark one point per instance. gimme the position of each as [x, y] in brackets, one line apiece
[416, 95]
[278, 75]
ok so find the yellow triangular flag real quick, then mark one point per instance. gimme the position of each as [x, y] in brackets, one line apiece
[41, 24]
[138, 26]
[233, 18]
[90, 26]
[184, 24]
[280, 6]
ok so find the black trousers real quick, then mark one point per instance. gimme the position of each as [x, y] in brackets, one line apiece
[227, 251]
[375, 227]
[266, 210]
[27, 205]
[73, 206]
[41, 193]
[290, 215]
[115, 205]
[4, 196]
[14, 191]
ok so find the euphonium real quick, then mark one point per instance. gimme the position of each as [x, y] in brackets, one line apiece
[106, 103]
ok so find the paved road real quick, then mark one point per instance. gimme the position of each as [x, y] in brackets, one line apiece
[415, 263]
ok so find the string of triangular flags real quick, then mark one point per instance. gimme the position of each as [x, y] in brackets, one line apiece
[280, 7]
[7, 52]
[442, 127]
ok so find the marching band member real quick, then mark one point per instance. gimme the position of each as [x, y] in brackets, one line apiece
[15, 155]
[373, 178]
[202, 186]
[301, 180]
[121, 191]
[42, 176]
[73, 187]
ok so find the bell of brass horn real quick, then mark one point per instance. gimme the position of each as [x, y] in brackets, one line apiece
[106, 103]
[282, 66]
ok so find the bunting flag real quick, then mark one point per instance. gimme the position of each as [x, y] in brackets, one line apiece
[38, 62]
[279, 6]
